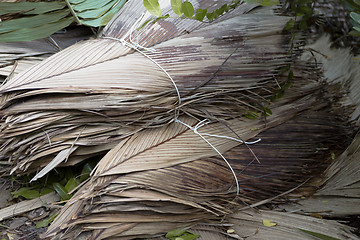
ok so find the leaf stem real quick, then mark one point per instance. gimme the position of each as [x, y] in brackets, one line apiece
[73, 12]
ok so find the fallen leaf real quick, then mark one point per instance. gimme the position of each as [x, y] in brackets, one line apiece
[268, 223]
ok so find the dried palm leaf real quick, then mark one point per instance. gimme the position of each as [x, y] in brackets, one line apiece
[272, 225]
[250, 224]
[27, 54]
[168, 177]
[99, 91]
[339, 196]
[339, 193]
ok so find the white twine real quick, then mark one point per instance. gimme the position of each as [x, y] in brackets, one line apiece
[138, 47]
[133, 45]
[205, 122]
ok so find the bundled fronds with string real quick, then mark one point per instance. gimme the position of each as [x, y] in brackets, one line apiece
[138, 98]
[165, 178]
[89, 96]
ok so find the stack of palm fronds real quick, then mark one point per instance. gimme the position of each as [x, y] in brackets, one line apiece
[166, 168]
[87, 97]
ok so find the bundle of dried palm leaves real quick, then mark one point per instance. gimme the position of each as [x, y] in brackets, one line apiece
[138, 96]
[80, 102]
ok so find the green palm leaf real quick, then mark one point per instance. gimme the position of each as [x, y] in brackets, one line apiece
[26, 21]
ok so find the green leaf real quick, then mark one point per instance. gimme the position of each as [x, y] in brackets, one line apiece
[306, 10]
[30, 7]
[95, 13]
[46, 191]
[280, 94]
[26, 192]
[47, 221]
[318, 235]
[290, 75]
[200, 14]
[71, 184]
[29, 34]
[181, 234]
[268, 111]
[264, 2]
[90, 4]
[76, 1]
[34, 21]
[176, 6]
[153, 7]
[187, 236]
[251, 115]
[355, 33]
[289, 25]
[85, 172]
[221, 10]
[267, 3]
[61, 191]
[234, 4]
[357, 29]
[355, 17]
[103, 20]
[175, 233]
[188, 9]
[210, 16]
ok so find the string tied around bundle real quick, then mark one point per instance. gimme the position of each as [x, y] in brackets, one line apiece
[140, 49]
[205, 122]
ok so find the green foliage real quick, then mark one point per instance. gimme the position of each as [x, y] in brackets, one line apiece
[354, 7]
[32, 192]
[284, 86]
[179, 234]
[300, 9]
[62, 183]
[176, 6]
[26, 192]
[290, 25]
[200, 14]
[251, 115]
[153, 7]
[265, 3]
[318, 235]
[47, 221]
[30, 8]
[40, 19]
[60, 189]
[186, 9]
[26, 21]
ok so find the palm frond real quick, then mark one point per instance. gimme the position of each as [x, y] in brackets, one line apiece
[27, 54]
[339, 192]
[198, 181]
[26, 21]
